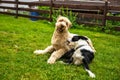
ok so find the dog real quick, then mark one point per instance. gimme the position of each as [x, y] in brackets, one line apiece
[59, 41]
[82, 53]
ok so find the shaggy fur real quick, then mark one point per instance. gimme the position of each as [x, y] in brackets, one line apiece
[59, 40]
[81, 54]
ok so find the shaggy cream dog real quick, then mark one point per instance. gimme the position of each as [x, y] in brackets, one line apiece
[59, 40]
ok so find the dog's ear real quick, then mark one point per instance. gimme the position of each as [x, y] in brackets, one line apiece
[83, 38]
[69, 24]
[76, 38]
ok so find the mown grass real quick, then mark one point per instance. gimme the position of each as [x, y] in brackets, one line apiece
[20, 37]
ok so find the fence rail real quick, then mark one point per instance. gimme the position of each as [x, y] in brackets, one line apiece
[96, 10]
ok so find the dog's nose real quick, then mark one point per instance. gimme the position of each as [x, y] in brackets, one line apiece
[62, 26]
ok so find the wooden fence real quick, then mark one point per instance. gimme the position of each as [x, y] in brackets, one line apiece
[30, 4]
[90, 9]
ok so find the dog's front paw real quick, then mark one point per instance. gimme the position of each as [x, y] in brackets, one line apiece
[51, 61]
[37, 52]
[92, 75]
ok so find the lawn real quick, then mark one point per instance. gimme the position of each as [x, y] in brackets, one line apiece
[20, 37]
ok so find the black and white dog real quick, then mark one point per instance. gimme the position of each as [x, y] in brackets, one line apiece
[82, 53]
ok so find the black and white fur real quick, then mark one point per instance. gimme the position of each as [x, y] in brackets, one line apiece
[82, 53]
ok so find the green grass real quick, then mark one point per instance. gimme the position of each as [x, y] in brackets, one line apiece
[20, 37]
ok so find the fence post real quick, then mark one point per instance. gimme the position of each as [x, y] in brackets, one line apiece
[105, 13]
[51, 9]
[16, 9]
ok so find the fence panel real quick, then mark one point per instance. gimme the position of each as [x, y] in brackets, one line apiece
[90, 9]
[29, 9]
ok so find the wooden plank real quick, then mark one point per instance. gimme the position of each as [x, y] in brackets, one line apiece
[27, 16]
[51, 9]
[34, 10]
[117, 8]
[88, 7]
[27, 9]
[5, 7]
[95, 16]
[8, 13]
[117, 28]
[91, 17]
[75, 4]
[79, 3]
[9, 2]
[35, 3]
[105, 13]
[115, 18]
[16, 8]
[90, 23]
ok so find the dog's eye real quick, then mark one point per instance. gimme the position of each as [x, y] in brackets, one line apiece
[68, 41]
[66, 23]
[61, 20]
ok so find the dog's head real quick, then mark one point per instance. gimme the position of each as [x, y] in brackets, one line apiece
[80, 40]
[76, 41]
[62, 24]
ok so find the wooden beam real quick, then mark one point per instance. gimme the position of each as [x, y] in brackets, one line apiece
[105, 13]
[114, 18]
[51, 9]
[16, 8]
[94, 16]
[41, 3]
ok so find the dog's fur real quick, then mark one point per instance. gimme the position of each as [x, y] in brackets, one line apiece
[81, 54]
[59, 40]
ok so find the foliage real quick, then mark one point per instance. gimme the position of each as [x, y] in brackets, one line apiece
[20, 37]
